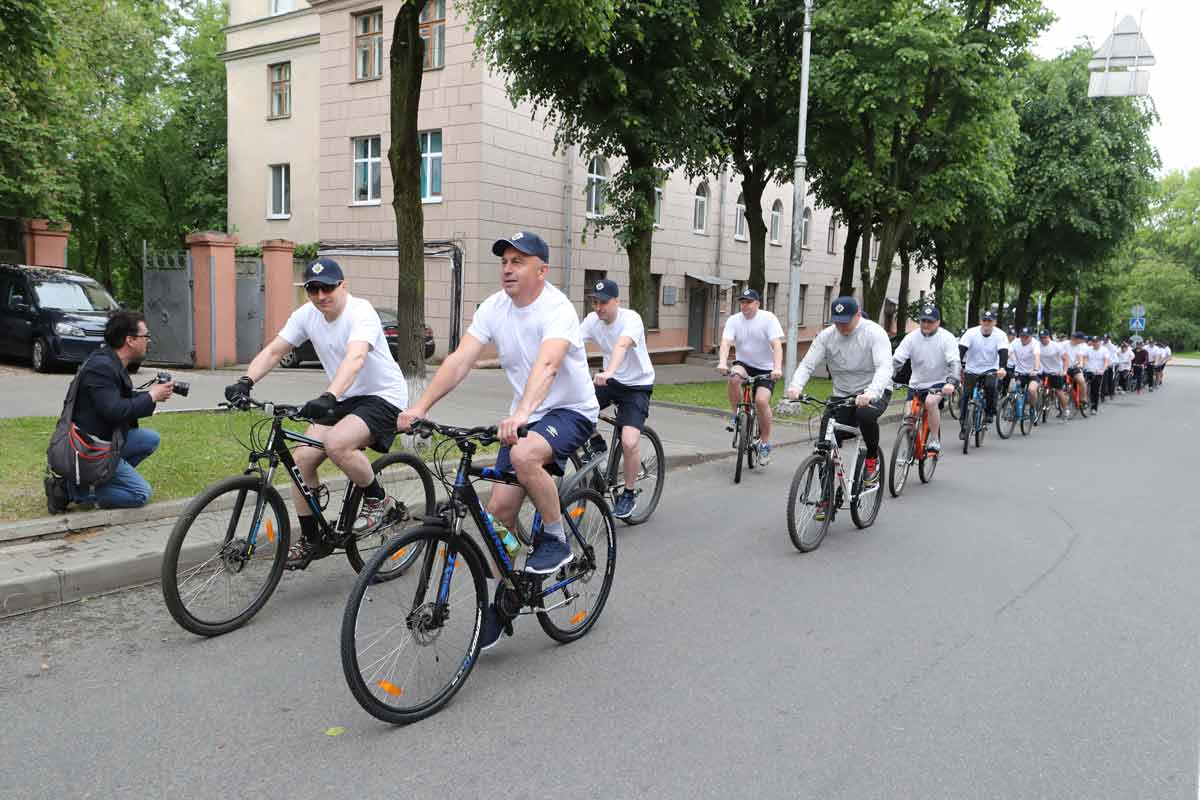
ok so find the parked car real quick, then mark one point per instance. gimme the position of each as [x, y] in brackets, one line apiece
[51, 316]
[391, 331]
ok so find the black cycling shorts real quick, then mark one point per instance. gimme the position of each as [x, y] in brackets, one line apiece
[1058, 382]
[378, 414]
[755, 372]
[632, 402]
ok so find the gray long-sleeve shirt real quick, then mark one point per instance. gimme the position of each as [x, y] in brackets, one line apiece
[860, 362]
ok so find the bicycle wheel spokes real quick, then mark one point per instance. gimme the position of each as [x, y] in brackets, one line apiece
[576, 593]
[902, 458]
[648, 483]
[406, 480]
[405, 650]
[225, 556]
[809, 498]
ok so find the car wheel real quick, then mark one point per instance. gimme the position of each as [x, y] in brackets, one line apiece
[290, 360]
[39, 355]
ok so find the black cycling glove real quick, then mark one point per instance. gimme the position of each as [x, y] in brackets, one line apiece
[318, 408]
[236, 392]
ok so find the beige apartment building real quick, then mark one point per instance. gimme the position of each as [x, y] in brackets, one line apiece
[308, 137]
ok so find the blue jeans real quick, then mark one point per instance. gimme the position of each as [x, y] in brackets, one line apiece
[127, 489]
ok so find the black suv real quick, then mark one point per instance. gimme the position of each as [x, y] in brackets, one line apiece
[51, 316]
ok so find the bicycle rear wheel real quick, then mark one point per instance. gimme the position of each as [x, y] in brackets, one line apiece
[651, 473]
[225, 555]
[1006, 417]
[902, 458]
[573, 607]
[955, 402]
[966, 429]
[752, 442]
[865, 507]
[810, 496]
[927, 466]
[409, 641]
[407, 480]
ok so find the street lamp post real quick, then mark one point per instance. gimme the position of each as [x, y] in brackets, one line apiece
[798, 192]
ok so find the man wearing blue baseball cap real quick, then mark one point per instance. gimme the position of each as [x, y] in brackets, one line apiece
[358, 409]
[626, 380]
[757, 337]
[985, 353]
[1025, 360]
[535, 331]
[933, 353]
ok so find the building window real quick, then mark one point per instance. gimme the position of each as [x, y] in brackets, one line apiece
[772, 290]
[366, 170]
[590, 278]
[805, 227]
[734, 306]
[433, 31]
[658, 206]
[700, 209]
[776, 221]
[739, 218]
[431, 166]
[368, 45]
[597, 177]
[831, 239]
[826, 312]
[281, 89]
[874, 249]
[803, 297]
[281, 191]
[282, 6]
[651, 321]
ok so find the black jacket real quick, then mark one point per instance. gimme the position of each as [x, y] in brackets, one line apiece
[106, 400]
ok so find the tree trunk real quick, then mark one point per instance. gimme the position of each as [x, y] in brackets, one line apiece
[1046, 320]
[638, 233]
[407, 59]
[1023, 293]
[1000, 303]
[902, 295]
[973, 310]
[894, 231]
[853, 235]
[753, 184]
[939, 277]
[864, 261]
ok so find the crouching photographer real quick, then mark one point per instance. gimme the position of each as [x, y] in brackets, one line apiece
[97, 444]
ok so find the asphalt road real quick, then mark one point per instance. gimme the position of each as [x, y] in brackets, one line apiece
[1023, 627]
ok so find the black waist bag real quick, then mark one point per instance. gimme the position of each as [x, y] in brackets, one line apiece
[77, 456]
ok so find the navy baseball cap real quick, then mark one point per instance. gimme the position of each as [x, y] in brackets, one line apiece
[843, 309]
[527, 242]
[324, 270]
[930, 312]
[750, 294]
[1078, 335]
[1026, 332]
[603, 290]
[1045, 334]
[988, 315]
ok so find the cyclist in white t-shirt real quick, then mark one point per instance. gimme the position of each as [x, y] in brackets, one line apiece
[535, 331]
[1077, 351]
[1095, 365]
[1025, 358]
[626, 380]
[757, 337]
[984, 351]
[1055, 362]
[366, 391]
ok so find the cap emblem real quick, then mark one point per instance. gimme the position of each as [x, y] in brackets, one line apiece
[839, 308]
[599, 286]
[517, 235]
[317, 269]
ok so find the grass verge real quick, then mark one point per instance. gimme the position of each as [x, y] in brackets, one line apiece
[712, 394]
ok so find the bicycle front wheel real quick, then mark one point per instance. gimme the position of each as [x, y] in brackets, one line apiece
[407, 480]
[810, 503]
[225, 555]
[409, 641]
[1028, 417]
[927, 466]
[955, 402]
[902, 457]
[865, 507]
[1006, 417]
[580, 589]
[648, 483]
[742, 442]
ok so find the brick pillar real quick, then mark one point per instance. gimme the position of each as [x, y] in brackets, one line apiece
[212, 254]
[279, 300]
[45, 247]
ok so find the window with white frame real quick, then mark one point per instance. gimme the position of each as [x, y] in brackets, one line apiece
[651, 320]
[596, 178]
[282, 6]
[734, 305]
[658, 206]
[700, 209]
[874, 249]
[831, 239]
[431, 166]
[281, 89]
[433, 31]
[368, 45]
[776, 221]
[806, 227]
[281, 191]
[366, 170]
[739, 218]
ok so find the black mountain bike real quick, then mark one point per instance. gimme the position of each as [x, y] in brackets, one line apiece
[745, 428]
[229, 548]
[409, 643]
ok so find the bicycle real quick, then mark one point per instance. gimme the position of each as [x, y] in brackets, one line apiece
[910, 443]
[955, 401]
[1014, 407]
[437, 610]
[600, 466]
[812, 493]
[1079, 400]
[229, 548]
[973, 418]
[745, 428]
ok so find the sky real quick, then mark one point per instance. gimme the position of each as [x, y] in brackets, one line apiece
[1170, 28]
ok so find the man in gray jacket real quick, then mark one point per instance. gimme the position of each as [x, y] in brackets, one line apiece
[859, 355]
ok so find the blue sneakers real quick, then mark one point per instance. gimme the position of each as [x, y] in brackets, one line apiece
[764, 454]
[625, 504]
[548, 555]
[491, 628]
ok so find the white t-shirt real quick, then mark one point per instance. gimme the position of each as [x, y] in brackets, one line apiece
[1078, 351]
[518, 334]
[636, 369]
[1124, 359]
[1021, 356]
[380, 376]
[983, 352]
[1052, 354]
[752, 338]
[1095, 359]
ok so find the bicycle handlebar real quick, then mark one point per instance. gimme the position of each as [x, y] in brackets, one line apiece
[485, 434]
[274, 409]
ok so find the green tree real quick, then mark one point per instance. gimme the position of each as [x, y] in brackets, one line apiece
[621, 79]
[1175, 218]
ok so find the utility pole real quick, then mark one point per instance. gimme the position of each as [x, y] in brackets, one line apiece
[799, 190]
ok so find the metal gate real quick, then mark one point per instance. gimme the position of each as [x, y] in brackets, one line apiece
[167, 304]
[251, 292]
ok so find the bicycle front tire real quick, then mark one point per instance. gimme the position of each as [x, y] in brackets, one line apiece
[902, 456]
[406, 479]
[862, 514]
[742, 438]
[652, 473]
[1006, 418]
[812, 486]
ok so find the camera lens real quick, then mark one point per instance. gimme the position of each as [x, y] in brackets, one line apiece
[182, 388]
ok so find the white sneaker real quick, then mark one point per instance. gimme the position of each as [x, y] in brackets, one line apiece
[933, 445]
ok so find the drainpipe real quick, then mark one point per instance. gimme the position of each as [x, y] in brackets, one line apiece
[723, 178]
[568, 208]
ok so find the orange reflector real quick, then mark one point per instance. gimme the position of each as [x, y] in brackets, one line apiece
[391, 688]
[399, 554]
[577, 512]
[270, 531]
[578, 618]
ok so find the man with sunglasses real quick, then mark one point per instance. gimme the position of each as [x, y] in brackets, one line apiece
[366, 392]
